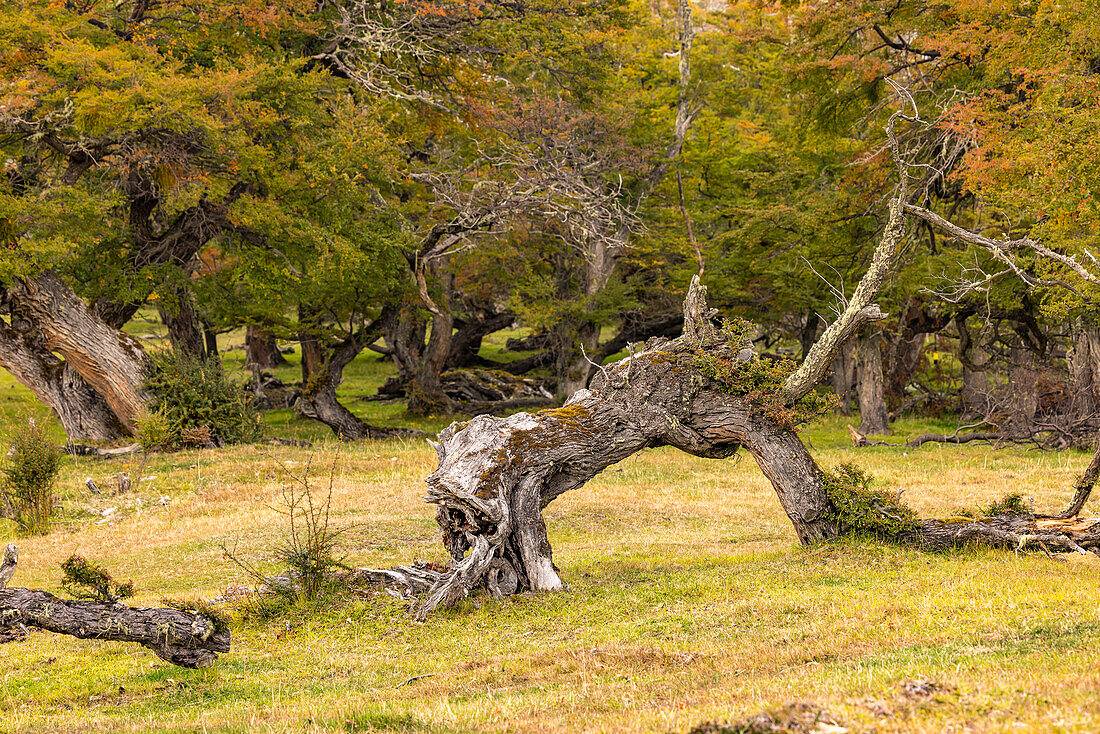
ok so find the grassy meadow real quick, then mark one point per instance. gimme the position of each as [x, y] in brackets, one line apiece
[689, 599]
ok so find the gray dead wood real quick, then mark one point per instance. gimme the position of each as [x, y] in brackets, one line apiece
[77, 449]
[182, 638]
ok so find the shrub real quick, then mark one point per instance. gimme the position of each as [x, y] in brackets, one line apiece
[29, 472]
[154, 431]
[858, 508]
[308, 547]
[84, 579]
[194, 403]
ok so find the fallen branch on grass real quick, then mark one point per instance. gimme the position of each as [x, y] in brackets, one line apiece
[76, 449]
[860, 440]
[187, 639]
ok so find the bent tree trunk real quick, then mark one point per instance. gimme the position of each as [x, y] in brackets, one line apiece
[86, 370]
[496, 475]
[323, 366]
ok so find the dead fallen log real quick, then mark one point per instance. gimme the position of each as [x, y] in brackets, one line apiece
[860, 440]
[187, 639]
[76, 449]
[952, 438]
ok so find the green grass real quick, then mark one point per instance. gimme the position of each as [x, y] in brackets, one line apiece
[689, 600]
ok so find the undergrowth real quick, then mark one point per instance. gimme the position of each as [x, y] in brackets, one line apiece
[194, 404]
[307, 548]
[29, 473]
[84, 579]
[856, 507]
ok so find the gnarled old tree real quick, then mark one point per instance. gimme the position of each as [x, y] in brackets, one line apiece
[708, 394]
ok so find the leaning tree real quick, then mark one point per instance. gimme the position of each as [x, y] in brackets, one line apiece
[706, 393]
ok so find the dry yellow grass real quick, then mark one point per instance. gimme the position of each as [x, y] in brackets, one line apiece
[689, 601]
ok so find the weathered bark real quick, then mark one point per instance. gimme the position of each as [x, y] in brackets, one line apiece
[83, 412]
[182, 638]
[182, 321]
[112, 363]
[873, 416]
[260, 349]
[495, 475]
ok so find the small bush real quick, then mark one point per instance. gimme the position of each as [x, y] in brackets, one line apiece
[87, 580]
[29, 473]
[194, 403]
[308, 548]
[858, 508]
[155, 432]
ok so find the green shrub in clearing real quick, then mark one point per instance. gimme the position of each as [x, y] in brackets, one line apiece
[191, 399]
[154, 431]
[28, 475]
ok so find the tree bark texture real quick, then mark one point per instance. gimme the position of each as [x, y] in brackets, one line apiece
[50, 318]
[496, 475]
[873, 416]
[1084, 367]
[83, 412]
[182, 638]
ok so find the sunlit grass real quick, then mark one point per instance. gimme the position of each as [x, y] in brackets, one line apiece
[689, 600]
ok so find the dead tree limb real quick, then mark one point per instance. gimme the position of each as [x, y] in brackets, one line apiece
[186, 639]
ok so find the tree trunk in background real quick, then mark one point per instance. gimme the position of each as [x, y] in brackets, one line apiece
[903, 358]
[425, 391]
[843, 379]
[1083, 361]
[571, 365]
[975, 392]
[323, 371]
[46, 311]
[808, 335]
[404, 333]
[873, 416]
[182, 321]
[1023, 399]
[466, 342]
[260, 349]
